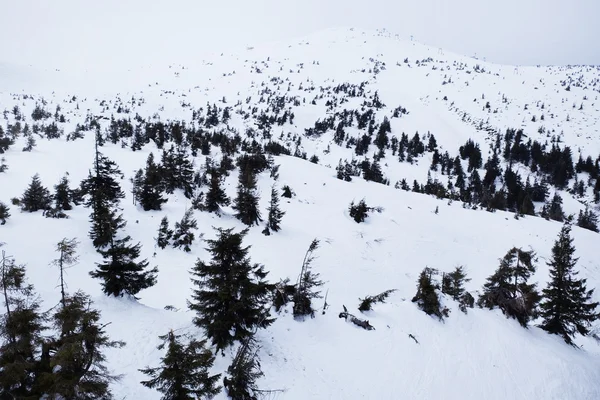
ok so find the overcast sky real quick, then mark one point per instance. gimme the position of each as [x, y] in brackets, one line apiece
[113, 32]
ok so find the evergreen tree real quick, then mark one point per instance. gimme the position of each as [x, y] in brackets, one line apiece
[136, 185]
[366, 304]
[62, 195]
[427, 298]
[359, 212]
[244, 371]
[274, 212]
[307, 284]
[553, 210]
[4, 213]
[67, 250]
[150, 191]
[246, 202]
[231, 293]
[120, 272]
[183, 235]
[184, 371]
[215, 197]
[164, 233]
[36, 196]
[586, 220]
[508, 289]
[77, 363]
[287, 192]
[453, 283]
[567, 307]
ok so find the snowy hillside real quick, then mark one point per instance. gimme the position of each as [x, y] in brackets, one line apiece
[316, 107]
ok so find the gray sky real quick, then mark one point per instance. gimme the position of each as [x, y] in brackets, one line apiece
[113, 32]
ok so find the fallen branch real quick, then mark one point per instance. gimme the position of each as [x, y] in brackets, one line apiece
[356, 321]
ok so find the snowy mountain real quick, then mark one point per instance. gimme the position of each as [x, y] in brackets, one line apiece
[331, 110]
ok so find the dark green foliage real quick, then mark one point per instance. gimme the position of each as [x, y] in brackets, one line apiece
[307, 284]
[5, 143]
[184, 371]
[466, 301]
[427, 298]
[359, 212]
[283, 293]
[274, 212]
[453, 283]
[244, 371]
[246, 202]
[230, 294]
[183, 236]
[177, 171]
[77, 362]
[67, 250]
[215, 197]
[121, 274]
[366, 304]
[63, 195]
[164, 233]
[553, 210]
[287, 192]
[4, 213]
[567, 307]
[587, 220]
[508, 289]
[150, 189]
[36, 196]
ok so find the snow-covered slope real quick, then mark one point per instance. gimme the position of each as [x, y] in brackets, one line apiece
[478, 355]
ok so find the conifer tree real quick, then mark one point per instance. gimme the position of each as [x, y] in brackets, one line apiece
[151, 188]
[453, 283]
[588, 220]
[427, 298]
[183, 234]
[120, 272]
[4, 213]
[164, 233]
[231, 294]
[553, 210]
[184, 371]
[366, 304]
[67, 250]
[567, 307]
[215, 197]
[246, 202]
[359, 212]
[307, 284]
[508, 289]
[244, 371]
[136, 185]
[274, 212]
[36, 197]
[62, 195]
[77, 363]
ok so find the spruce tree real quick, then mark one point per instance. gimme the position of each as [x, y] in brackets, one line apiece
[359, 212]
[427, 298]
[215, 197]
[453, 283]
[246, 202]
[36, 197]
[183, 234]
[164, 233]
[366, 304]
[184, 371]
[274, 212]
[231, 294]
[4, 213]
[553, 210]
[62, 195]
[307, 284]
[150, 191]
[508, 287]
[67, 250]
[244, 371]
[77, 363]
[567, 307]
[588, 220]
[120, 272]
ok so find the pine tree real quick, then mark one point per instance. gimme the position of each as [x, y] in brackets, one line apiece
[567, 307]
[366, 304]
[453, 283]
[215, 197]
[230, 294]
[164, 233]
[587, 220]
[150, 191]
[508, 289]
[62, 195]
[120, 272]
[77, 364]
[359, 212]
[183, 235]
[246, 202]
[36, 197]
[553, 210]
[427, 298]
[67, 250]
[4, 213]
[244, 371]
[274, 212]
[308, 282]
[21, 327]
[136, 185]
[184, 371]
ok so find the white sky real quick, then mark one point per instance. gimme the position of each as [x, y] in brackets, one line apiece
[116, 32]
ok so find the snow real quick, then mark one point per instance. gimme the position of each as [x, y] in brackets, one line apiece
[478, 355]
